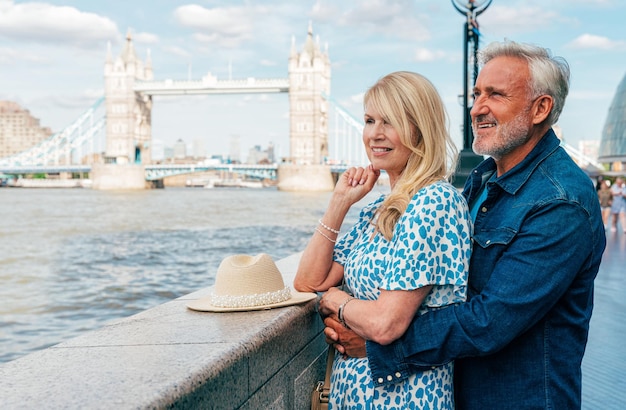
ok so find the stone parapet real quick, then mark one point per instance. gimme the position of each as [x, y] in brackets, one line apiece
[172, 357]
[293, 177]
[118, 176]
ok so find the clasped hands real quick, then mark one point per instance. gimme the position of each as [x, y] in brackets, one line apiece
[343, 339]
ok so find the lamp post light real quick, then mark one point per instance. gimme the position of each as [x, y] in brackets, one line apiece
[470, 9]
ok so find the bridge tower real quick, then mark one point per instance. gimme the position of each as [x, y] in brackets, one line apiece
[128, 125]
[309, 78]
[309, 81]
[128, 122]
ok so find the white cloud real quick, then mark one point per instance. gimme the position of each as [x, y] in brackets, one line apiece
[11, 56]
[503, 20]
[268, 63]
[177, 51]
[146, 38]
[46, 23]
[424, 55]
[390, 18]
[223, 26]
[590, 41]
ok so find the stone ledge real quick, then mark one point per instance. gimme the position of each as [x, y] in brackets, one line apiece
[172, 357]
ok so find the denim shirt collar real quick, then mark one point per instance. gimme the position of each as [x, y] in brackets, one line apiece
[512, 180]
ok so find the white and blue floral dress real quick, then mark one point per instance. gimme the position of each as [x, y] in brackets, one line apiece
[430, 246]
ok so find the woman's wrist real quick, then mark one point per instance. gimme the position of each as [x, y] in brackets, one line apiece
[341, 311]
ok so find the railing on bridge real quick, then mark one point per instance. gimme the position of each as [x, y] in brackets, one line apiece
[156, 172]
[211, 85]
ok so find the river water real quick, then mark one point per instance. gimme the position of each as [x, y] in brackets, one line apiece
[73, 259]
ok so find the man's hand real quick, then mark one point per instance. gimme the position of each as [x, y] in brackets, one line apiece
[343, 339]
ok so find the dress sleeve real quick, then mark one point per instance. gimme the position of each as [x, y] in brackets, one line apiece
[346, 242]
[431, 245]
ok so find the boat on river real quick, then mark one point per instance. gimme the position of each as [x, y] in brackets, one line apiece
[233, 183]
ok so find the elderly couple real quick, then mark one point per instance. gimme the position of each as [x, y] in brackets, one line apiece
[472, 300]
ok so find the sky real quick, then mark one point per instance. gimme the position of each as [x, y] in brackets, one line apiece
[52, 56]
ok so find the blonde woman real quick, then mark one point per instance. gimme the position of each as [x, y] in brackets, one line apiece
[408, 252]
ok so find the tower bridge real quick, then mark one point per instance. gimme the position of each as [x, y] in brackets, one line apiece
[112, 140]
[130, 87]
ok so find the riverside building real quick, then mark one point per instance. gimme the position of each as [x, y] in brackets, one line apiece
[19, 130]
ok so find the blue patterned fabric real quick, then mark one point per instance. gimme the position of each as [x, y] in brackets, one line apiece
[430, 246]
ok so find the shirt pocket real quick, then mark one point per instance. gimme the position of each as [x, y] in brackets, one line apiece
[491, 237]
[488, 247]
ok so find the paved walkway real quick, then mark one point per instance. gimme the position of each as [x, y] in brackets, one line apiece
[604, 364]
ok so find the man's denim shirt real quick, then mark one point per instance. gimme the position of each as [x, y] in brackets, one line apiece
[519, 340]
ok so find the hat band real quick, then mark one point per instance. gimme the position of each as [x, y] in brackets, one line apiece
[257, 299]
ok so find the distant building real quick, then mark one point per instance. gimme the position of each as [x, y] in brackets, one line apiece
[271, 155]
[19, 130]
[589, 148]
[198, 149]
[180, 149]
[235, 149]
[256, 155]
[613, 142]
[168, 153]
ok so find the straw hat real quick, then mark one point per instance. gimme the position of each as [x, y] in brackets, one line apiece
[246, 282]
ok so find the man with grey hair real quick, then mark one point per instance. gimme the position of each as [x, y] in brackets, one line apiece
[519, 339]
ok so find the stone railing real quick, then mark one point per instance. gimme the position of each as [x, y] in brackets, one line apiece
[172, 357]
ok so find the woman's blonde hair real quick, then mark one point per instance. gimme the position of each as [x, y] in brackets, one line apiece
[411, 104]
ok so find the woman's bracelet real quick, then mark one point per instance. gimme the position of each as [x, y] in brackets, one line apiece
[325, 236]
[340, 312]
[328, 227]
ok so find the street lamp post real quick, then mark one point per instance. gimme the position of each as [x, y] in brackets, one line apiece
[470, 9]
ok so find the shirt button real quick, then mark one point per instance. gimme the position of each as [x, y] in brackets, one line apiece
[488, 241]
[483, 209]
[398, 374]
[380, 380]
[389, 378]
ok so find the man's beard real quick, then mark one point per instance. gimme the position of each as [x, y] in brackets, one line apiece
[509, 136]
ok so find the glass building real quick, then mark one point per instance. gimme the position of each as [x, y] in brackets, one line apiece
[613, 142]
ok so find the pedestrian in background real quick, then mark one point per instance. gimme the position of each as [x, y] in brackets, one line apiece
[605, 196]
[618, 209]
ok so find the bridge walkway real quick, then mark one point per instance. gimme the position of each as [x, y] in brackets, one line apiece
[604, 364]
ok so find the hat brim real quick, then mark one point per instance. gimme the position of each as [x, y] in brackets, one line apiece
[204, 304]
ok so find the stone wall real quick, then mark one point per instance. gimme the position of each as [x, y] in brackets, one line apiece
[172, 357]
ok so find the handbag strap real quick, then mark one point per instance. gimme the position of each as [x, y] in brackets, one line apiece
[329, 367]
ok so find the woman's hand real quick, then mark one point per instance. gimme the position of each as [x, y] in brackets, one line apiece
[356, 182]
[329, 304]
